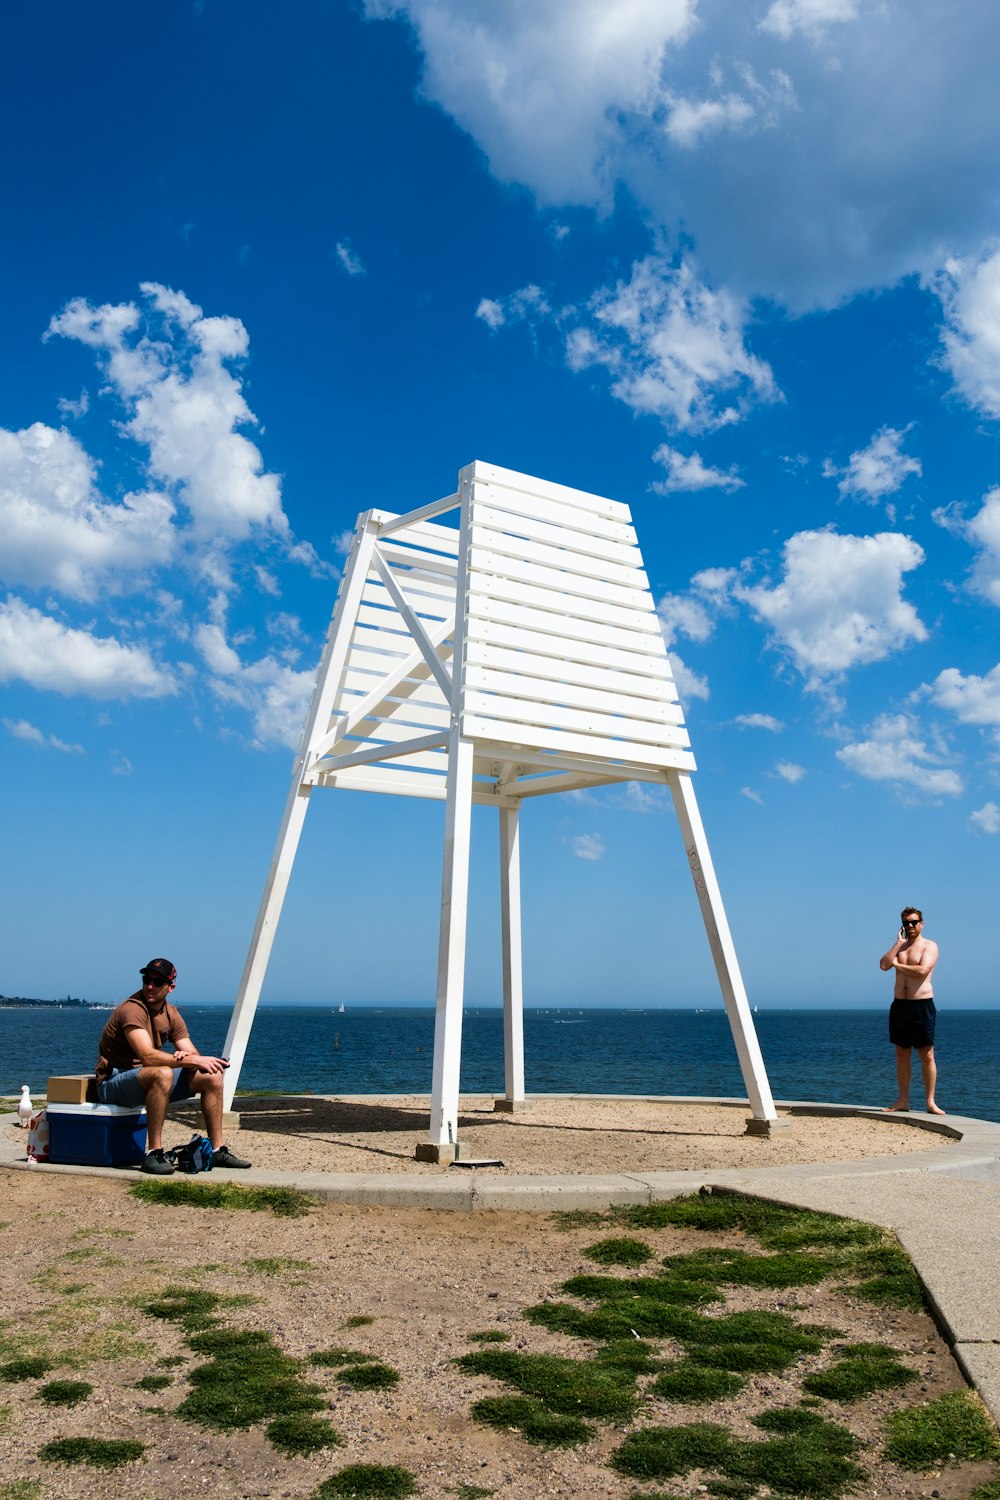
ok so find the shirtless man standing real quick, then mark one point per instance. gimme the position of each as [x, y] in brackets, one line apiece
[912, 1015]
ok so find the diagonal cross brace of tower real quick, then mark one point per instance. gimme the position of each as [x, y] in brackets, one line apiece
[517, 655]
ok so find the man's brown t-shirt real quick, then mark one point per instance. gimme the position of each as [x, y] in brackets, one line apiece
[115, 1049]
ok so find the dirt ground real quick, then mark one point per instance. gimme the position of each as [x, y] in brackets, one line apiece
[546, 1135]
[78, 1256]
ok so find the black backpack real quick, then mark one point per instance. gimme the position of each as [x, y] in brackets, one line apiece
[196, 1156]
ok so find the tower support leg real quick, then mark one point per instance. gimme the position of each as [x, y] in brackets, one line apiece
[513, 994]
[443, 1136]
[247, 996]
[764, 1119]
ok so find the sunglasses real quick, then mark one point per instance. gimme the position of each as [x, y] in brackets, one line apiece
[912, 922]
[157, 980]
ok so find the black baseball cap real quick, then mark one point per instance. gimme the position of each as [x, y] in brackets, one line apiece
[159, 968]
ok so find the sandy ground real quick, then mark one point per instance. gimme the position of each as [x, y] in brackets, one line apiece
[78, 1257]
[546, 1135]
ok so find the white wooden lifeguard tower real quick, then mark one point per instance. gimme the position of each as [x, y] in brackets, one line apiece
[514, 656]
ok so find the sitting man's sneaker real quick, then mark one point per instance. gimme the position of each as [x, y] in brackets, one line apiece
[226, 1158]
[158, 1163]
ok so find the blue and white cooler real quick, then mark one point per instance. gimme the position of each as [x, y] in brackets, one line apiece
[96, 1135]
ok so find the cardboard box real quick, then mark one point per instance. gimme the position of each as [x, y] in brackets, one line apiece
[70, 1089]
[96, 1135]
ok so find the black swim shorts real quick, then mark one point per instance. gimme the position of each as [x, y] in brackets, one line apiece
[911, 1023]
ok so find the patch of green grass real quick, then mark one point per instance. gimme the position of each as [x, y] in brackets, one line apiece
[615, 1320]
[359, 1320]
[286, 1203]
[861, 1369]
[775, 1225]
[370, 1376]
[625, 1251]
[335, 1357]
[299, 1435]
[988, 1491]
[21, 1489]
[577, 1218]
[952, 1429]
[733, 1267]
[687, 1382]
[731, 1489]
[171, 1361]
[808, 1457]
[466, 1492]
[153, 1383]
[82, 1252]
[247, 1379]
[278, 1265]
[31, 1367]
[679, 1291]
[533, 1420]
[190, 1307]
[752, 1340]
[633, 1354]
[489, 1336]
[666, 1452]
[368, 1482]
[100, 1453]
[577, 1387]
[64, 1392]
[886, 1277]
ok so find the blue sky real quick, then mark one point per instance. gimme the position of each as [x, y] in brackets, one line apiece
[261, 268]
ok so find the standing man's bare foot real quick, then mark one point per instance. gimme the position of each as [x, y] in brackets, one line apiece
[900, 1106]
[932, 1109]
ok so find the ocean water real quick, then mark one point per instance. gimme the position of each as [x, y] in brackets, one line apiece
[842, 1056]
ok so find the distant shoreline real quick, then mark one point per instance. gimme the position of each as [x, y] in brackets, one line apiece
[19, 1002]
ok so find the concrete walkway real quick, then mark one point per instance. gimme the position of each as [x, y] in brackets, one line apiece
[944, 1205]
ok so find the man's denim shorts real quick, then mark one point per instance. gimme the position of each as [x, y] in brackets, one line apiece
[123, 1087]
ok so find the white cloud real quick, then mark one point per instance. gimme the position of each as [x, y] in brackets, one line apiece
[185, 405]
[348, 260]
[896, 753]
[840, 601]
[987, 819]
[818, 148]
[544, 86]
[689, 683]
[674, 348]
[878, 470]
[982, 531]
[751, 795]
[682, 614]
[688, 120]
[759, 721]
[526, 303]
[972, 699]
[21, 729]
[970, 295]
[789, 771]
[37, 649]
[73, 410]
[687, 472]
[813, 17]
[57, 530]
[588, 846]
[274, 694]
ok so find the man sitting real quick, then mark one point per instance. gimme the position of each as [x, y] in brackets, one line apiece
[133, 1066]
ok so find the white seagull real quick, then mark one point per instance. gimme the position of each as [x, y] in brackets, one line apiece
[25, 1108]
